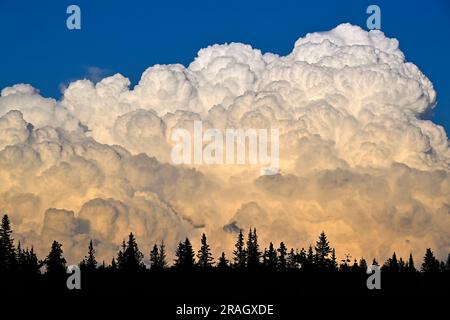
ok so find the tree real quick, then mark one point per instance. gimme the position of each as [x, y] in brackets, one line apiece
[333, 261]
[27, 260]
[55, 262]
[90, 263]
[131, 258]
[240, 254]
[391, 265]
[271, 258]
[223, 262]
[430, 263]
[8, 258]
[162, 262]
[253, 253]
[205, 258]
[184, 255]
[292, 260]
[282, 263]
[154, 257]
[410, 265]
[322, 249]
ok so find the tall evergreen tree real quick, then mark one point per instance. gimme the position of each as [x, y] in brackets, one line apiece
[162, 262]
[447, 263]
[90, 263]
[55, 262]
[253, 252]
[131, 259]
[8, 258]
[154, 257]
[410, 265]
[322, 249]
[205, 258]
[282, 253]
[271, 258]
[223, 262]
[240, 254]
[292, 261]
[184, 255]
[430, 263]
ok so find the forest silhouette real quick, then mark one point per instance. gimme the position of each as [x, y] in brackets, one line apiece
[274, 271]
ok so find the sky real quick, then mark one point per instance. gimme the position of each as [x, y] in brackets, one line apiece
[359, 157]
[129, 36]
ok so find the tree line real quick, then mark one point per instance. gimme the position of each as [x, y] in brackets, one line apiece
[247, 255]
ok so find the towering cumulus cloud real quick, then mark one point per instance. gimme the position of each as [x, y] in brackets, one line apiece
[356, 158]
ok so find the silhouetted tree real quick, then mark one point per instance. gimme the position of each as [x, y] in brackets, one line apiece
[205, 258]
[253, 252]
[154, 257]
[282, 253]
[322, 249]
[410, 265]
[223, 262]
[362, 265]
[391, 265]
[430, 263]
[8, 259]
[271, 258]
[240, 254]
[162, 262]
[158, 257]
[131, 259]
[292, 260]
[89, 262]
[184, 256]
[55, 262]
[333, 261]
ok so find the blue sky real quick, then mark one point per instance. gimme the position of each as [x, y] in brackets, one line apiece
[129, 36]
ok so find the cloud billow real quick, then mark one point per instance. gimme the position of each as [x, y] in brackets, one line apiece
[356, 157]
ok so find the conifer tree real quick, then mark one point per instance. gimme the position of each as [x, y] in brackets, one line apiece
[131, 259]
[223, 262]
[8, 258]
[205, 259]
[430, 263]
[282, 253]
[55, 262]
[253, 252]
[162, 262]
[271, 258]
[90, 263]
[292, 260]
[154, 257]
[410, 265]
[240, 254]
[322, 249]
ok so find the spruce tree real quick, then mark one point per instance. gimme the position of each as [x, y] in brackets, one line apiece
[55, 262]
[271, 258]
[131, 259]
[253, 253]
[240, 254]
[8, 258]
[205, 259]
[322, 249]
[282, 253]
[154, 258]
[223, 262]
[410, 265]
[430, 263]
[162, 262]
[90, 263]
[292, 260]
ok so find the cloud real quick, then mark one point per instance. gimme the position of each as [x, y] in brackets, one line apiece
[357, 159]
